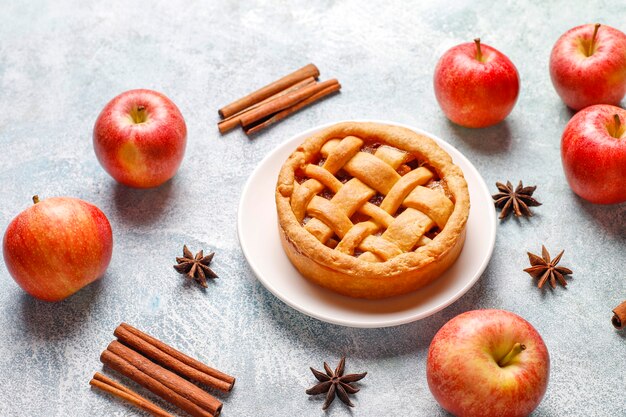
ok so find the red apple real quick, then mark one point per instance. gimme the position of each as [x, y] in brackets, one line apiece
[593, 151]
[588, 66]
[476, 85]
[140, 138]
[57, 246]
[488, 363]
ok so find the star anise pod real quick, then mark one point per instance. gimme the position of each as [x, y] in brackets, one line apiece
[336, 382]
[518, 199]
[546, 270]
[195, 267]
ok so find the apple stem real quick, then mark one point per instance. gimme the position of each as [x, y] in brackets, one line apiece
[593, 39]
[35, 199]
[479, 53]
[139, 114]
[515, 350]
[618, 127]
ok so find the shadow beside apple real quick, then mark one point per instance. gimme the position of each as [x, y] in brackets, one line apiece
[58, 320]
[490, 140]
[142, 207]
[566, 114]
[611, 218]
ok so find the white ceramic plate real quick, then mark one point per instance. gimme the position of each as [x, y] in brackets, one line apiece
[257, 225]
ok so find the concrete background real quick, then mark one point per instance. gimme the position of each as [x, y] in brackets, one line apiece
[60, 62]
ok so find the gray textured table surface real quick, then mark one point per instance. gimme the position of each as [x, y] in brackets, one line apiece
[60, 62]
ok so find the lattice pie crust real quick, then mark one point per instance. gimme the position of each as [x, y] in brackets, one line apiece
[371, 210]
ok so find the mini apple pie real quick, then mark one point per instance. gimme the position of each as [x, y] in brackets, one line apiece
[371, 210]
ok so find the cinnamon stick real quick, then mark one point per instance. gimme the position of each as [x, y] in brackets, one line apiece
[160, 381]
[287, 101]
[619, 316]
[172, 359]
[235, 120]
[284, 113]
[120, 391]
[269, 90]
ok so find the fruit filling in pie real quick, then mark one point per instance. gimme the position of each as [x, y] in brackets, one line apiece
[371, 210]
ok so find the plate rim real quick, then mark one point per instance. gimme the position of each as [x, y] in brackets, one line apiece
[375, 323]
